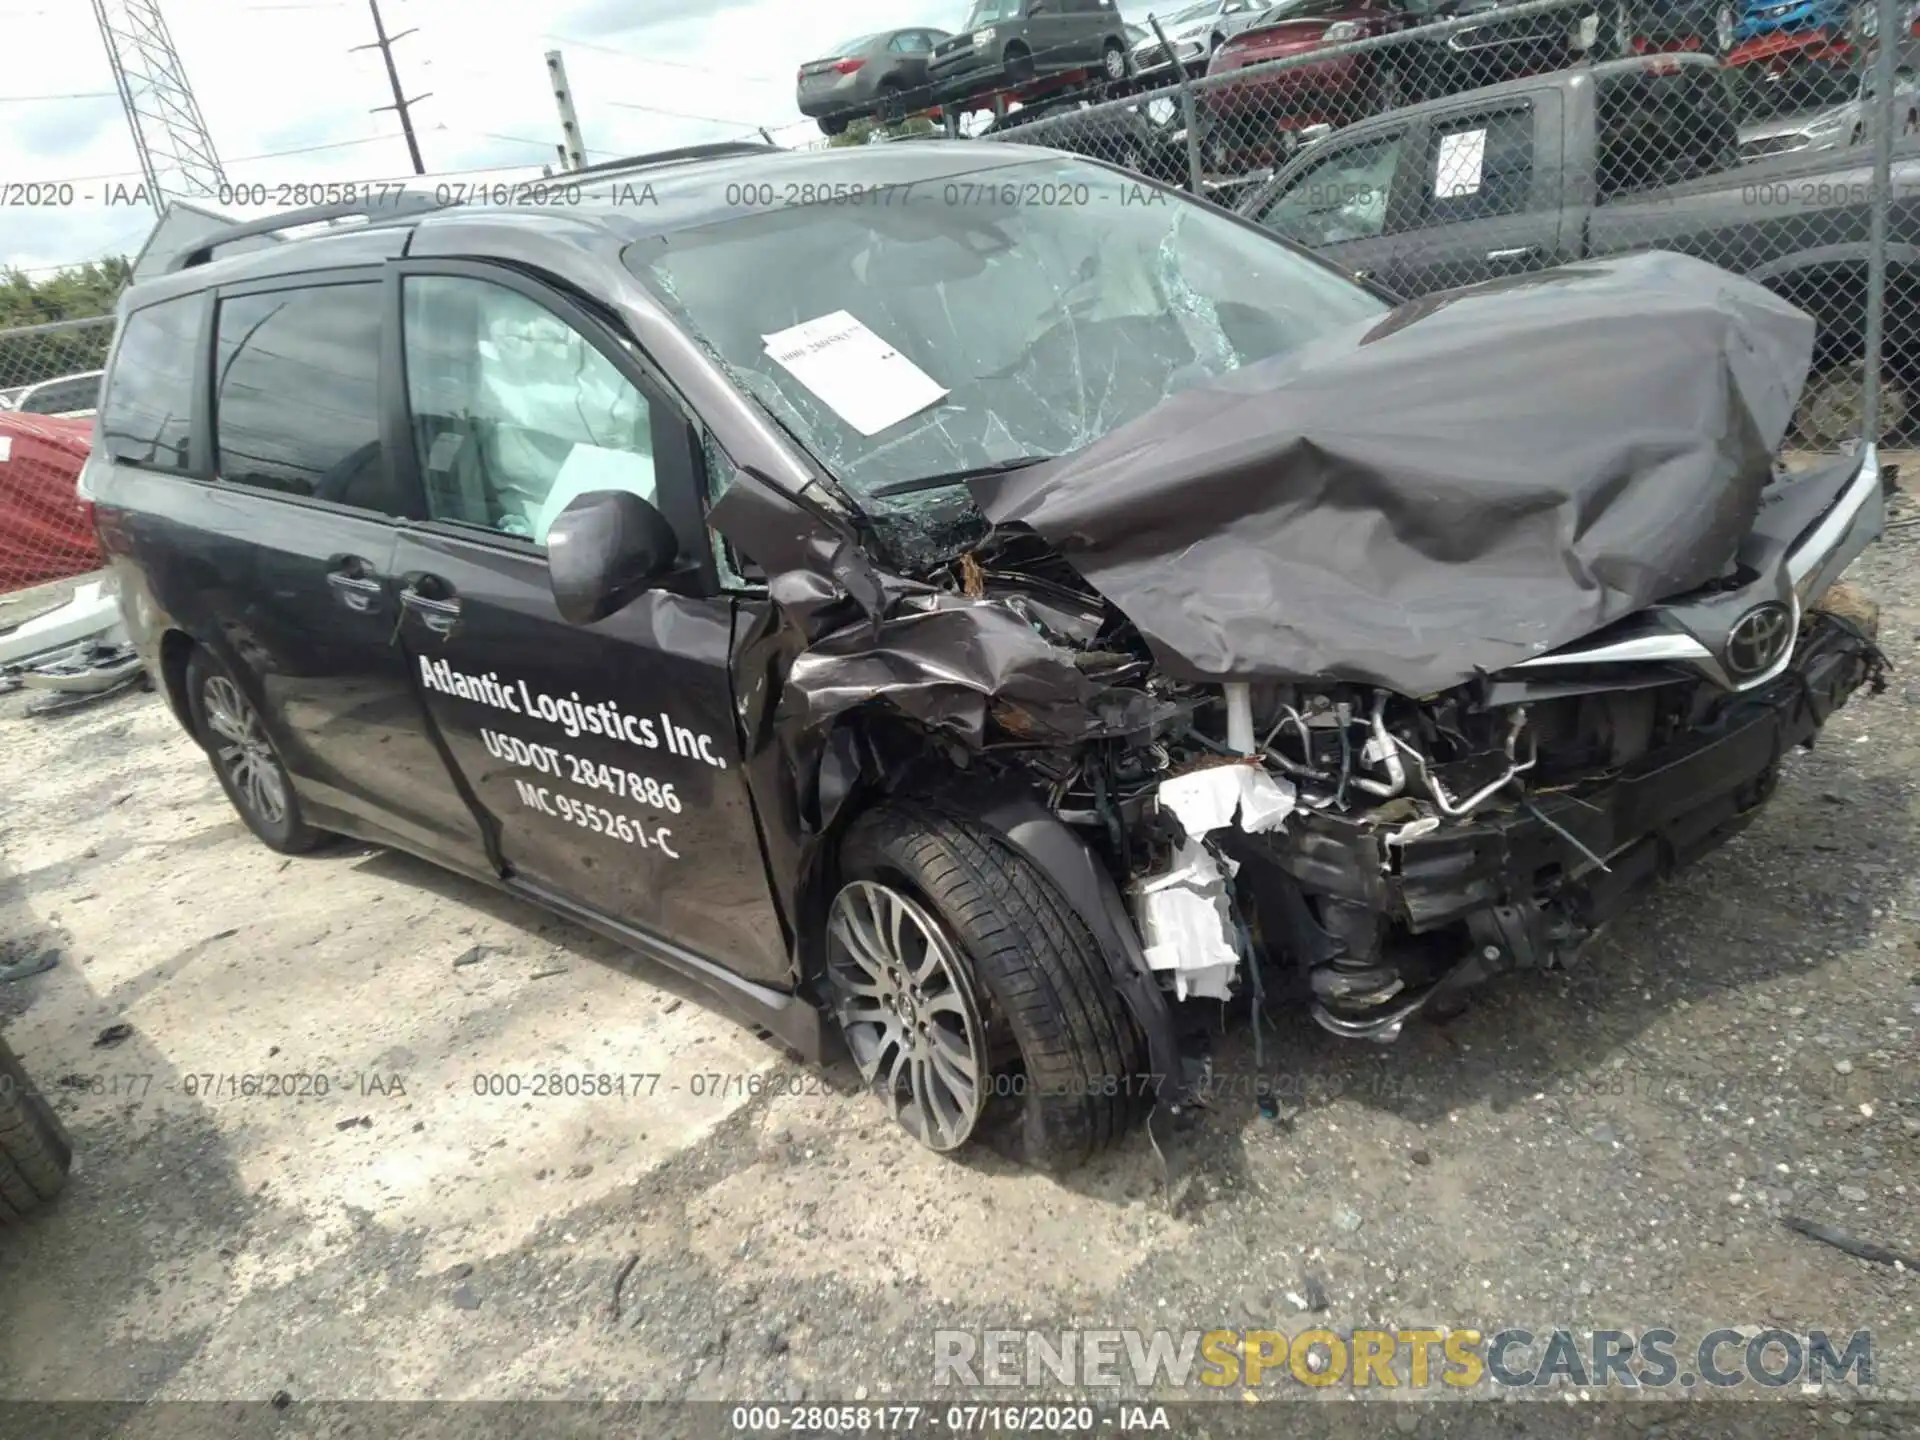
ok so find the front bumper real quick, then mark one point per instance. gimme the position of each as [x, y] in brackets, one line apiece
[1150, 56]
[1527, 887]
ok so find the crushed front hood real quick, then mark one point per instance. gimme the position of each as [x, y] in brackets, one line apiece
[1469, 482]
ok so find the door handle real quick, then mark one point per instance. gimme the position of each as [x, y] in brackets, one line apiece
[1363, 274]
[352, 581]
[1516, 252]
[439, 613]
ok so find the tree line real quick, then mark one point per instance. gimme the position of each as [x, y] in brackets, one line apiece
[79, 292]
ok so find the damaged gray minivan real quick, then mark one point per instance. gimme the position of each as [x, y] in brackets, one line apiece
[981, 599]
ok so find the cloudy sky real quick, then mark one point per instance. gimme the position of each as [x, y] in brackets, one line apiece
[287, 100]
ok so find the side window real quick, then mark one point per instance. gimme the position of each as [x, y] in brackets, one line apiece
[296, 404]
[1480, 167]
[1344, 197]
[905, 43]
[149, 409]
[514, 412]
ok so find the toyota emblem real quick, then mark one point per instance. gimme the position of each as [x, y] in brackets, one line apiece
[1758, 639]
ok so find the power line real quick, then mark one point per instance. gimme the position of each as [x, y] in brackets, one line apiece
[76, 95]
[241, 160]
[680, 114]
[670, 64]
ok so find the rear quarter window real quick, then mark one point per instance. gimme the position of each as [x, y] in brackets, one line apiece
[148, 414]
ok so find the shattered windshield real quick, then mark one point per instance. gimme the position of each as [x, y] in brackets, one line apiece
[1006, 314]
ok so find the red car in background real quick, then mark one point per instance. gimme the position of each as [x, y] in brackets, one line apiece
[1250, 122]
[1253, 121]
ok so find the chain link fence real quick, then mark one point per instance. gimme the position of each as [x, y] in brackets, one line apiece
[47, 373]
[1424, 148]
[55, 368]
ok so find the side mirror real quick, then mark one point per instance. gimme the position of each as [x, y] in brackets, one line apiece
[605, 548]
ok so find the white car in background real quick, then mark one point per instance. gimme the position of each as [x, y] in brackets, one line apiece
[1831, 127]
[63, 397]
[1195, 33]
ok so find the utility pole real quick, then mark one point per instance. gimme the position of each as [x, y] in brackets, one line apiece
[573, 149]
[400, 101]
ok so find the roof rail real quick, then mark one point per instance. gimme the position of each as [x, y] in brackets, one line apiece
[404, 203]
[377, 207]
[714, 151]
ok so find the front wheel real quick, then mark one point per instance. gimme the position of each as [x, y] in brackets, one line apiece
[244, 759]
[971, 995]
[1113, 62]
[35, 1153]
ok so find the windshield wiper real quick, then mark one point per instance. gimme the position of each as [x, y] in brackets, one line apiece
[955, 477]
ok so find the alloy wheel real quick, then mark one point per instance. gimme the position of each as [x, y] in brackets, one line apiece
[242, 750]
[1115, 60]
[902, 997]
[1723, 30]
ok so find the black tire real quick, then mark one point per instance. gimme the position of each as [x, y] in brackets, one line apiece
[35, 1153]
[1018, 64]
[1063, 1048]
[831, 125]
[1115, 67]
[890, 105]
[282, 829]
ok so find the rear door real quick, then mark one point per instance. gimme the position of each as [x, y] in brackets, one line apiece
[605, 758]
[1486, 203]
[907, 55]
[1060, 32]
[272, 546]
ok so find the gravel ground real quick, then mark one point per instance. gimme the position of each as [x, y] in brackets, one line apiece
[1611, 1147]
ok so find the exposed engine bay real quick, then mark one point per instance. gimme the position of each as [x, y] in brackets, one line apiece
[1370, 850]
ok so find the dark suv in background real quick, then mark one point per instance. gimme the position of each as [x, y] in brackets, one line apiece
[1009, 42]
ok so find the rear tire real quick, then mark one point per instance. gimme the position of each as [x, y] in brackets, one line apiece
[35, 1152]
[244, 758]
[1063, 1054]
[832, 125]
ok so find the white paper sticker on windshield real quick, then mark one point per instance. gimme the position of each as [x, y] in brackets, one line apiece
[1462, 158]
[863, 379]
[6, 447]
